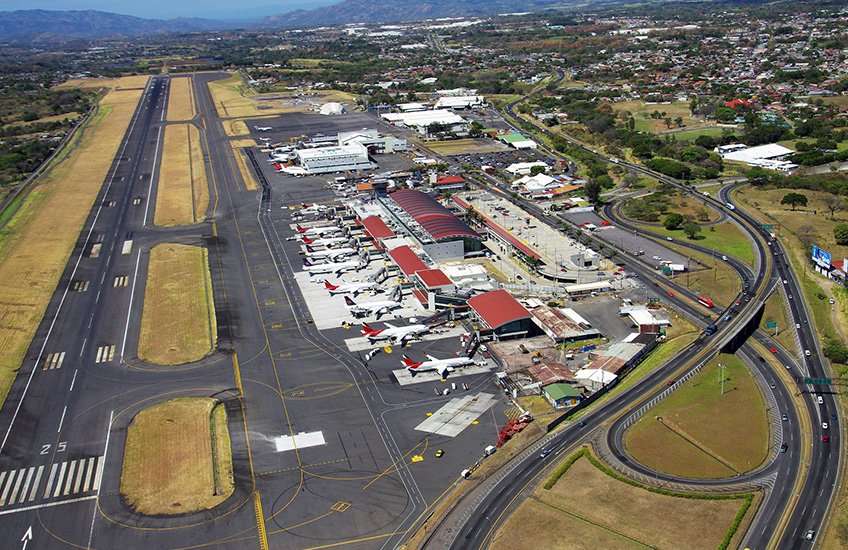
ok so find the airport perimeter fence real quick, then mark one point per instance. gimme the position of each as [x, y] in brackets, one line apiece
[631, 364]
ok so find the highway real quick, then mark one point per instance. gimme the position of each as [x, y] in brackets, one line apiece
[486, 506]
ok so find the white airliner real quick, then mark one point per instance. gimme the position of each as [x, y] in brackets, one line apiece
[328, 242]
[319, 231]
[314, 208]
[378, 308]
[395, 335]
[442, 366]
[329, 255]
[264, 128]
[337, 268]
[352, 288]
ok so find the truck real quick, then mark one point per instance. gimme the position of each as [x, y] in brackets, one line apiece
[706, 301]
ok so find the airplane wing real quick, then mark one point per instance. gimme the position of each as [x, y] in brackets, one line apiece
[389, 325]
[431, 358]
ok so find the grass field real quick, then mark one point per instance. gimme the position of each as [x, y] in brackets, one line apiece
[589, 509]
[137, 82]
[775, 310]
[692, 135]
[46, 119]
[36, 242]
[236, 128]
[704, 434]
[718, 280]
[246, 174]
[724, 238]
[182, 194]
[235, 99]
[641, 112]
[178, 458]
[178, 320]
[180, 99]
[469, 146]
[689, 206]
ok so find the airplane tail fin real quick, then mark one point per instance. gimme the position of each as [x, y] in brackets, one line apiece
[410, 364]
[301, 229]
[349, 301]
[307, 240]
[330, 286]
[368, 330]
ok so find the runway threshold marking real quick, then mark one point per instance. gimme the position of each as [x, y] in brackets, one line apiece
[79, 285]
[260, 521]
[105, 353]
[54, 361]
[121, 281]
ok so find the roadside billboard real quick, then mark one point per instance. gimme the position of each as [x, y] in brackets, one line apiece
[821, 257]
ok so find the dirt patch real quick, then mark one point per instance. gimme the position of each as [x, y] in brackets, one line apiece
[178, 458]
[178, 320]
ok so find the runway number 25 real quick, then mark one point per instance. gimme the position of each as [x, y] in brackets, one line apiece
[60, 447]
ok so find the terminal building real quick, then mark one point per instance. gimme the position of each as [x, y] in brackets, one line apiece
[439, 232]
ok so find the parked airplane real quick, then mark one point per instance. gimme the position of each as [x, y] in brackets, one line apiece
[442, 366]
[328, 242]
[395, 335]
[352, 288]
[319, 231]
[263, 128]
[337, 268]
[313, 208]
[378, 308]
[329, 255]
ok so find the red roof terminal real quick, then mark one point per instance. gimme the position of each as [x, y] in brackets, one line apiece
[497, 308]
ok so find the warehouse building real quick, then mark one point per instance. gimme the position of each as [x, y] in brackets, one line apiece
[431, 123]
[459, 102]
[342, 158]
[441, 234]
[500, 316]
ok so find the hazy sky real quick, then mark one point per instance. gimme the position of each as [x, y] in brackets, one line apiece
[169, 8]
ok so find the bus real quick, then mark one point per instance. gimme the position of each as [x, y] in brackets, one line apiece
[706, 301]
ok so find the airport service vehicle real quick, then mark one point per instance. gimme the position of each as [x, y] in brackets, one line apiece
[263, 128]
[378, 308]
[319, 231]
[337, 268]
[395, 335]
[706, 301]
[352, 288]
[315, 257]
[442, 366]
[328, 242]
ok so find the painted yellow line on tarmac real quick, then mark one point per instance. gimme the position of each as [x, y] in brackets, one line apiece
[260, 521]
[237, 374]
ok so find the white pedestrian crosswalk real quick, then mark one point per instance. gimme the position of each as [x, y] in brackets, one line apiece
[105, 353]
[71, 478]
[54, 360]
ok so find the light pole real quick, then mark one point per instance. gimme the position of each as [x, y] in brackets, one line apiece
[721, 371]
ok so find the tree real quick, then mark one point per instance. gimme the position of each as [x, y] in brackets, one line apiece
[691, 229]
[840, 233]
[536, 170]
[703, 214]
[673, 221]
[593, 191]
[794, 200]
[834, 204]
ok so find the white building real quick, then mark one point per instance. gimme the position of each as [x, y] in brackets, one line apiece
[524, 168]
[459, 102]
[332, 108]
[771, 155]
[373, 141]
[421, 121]
[342, 158]
[594, 379]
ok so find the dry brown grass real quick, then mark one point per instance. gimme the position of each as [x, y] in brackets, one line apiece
[178, 320]
[242, 143]
[136, 82]
[182, 195]
[246, 174]
[36, 243]
[468, 146]
[730, 431]
[235, 128]
[535, 525]
[181, 99]
[169, 465]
